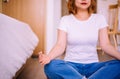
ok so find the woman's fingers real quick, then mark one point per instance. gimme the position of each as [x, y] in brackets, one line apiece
[43, 59]
[40, 56]
[46, 61]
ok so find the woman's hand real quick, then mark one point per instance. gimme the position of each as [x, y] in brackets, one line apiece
[44, 59]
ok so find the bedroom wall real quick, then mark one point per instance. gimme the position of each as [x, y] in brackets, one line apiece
[0, 6]
[102, 6]
[53, 17]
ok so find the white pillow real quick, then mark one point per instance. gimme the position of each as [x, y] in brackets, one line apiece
[17, 43]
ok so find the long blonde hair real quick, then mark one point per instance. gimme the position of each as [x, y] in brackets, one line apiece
[73, 9]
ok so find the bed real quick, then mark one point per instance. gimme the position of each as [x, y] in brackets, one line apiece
[17, 43]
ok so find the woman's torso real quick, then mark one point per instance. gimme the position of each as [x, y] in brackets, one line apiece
[82, 38]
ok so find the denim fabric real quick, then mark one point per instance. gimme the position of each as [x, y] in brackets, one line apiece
[60, 69]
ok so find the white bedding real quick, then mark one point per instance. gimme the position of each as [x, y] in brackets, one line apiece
[17, 43]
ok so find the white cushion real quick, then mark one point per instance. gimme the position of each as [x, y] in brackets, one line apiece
[17, 43]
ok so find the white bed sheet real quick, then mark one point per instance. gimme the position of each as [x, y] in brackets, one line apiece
[17, 43]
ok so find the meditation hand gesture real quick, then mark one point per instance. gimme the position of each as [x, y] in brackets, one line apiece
[44, 59]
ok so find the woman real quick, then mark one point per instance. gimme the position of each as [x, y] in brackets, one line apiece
[78, 34]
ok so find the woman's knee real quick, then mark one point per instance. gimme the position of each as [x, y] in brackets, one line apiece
[114, 65]
[113, 62]
[53, 65]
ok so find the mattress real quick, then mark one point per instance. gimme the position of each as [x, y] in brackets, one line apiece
[17, 44]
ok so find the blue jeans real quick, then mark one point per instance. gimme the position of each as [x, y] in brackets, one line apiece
[60, 69]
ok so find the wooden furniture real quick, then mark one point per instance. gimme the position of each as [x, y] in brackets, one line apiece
[113, 23]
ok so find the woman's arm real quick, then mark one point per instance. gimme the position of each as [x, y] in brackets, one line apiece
[60, 45]
[57, 50]
[106, 45]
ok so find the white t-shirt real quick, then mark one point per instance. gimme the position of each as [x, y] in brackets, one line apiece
[82, 37]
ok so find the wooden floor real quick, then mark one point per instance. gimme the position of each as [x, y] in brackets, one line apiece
[32, 70]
